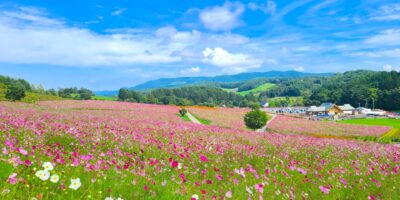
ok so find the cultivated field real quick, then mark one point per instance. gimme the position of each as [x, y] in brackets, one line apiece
[294, 125]
[395, 123]
[98, 149]
[222, 117]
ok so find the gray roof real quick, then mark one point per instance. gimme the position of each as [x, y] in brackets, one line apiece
[347, 107]
[316, 109]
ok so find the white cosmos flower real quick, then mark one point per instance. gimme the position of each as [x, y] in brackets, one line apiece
[54, 178]
[48, 166]
[119, 198]
[43, 174]
[75, 183]
[180, 166]
[195, 196]
[109, 198]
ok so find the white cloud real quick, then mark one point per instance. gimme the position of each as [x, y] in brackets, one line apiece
[228, 61]
[192, 70]
[299, 69]
[268, 8]
[390, 68]
[387, 37]
[36, 40]
[119, 11]
[387, 13]
[222, 18]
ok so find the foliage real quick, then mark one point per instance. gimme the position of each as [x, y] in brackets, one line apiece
[187, 96]
[35, 97]
[182, 112]
[255, 119]
[15, 92]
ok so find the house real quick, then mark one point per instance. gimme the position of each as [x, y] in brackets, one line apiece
[264, 104]
[348, 109]
[325, 109]
[367, 111]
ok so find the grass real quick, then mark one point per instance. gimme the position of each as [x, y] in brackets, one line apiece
[185, 118]
[202, 121]
[391, 136]
[261, 88]
[104, 98]
[395, 123]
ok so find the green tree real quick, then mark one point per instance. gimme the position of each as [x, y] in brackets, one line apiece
[255, 119]
[15, 92]
[182, 112]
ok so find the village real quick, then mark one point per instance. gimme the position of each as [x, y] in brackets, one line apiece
[331, 111]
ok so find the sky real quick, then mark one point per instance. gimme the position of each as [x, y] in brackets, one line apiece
[106, 45]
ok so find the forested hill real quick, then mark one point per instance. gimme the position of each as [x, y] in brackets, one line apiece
[188, 81]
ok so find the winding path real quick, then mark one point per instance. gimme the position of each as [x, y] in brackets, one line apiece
[263, 129]
[192, 118]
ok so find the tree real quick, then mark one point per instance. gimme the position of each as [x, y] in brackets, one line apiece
[124, 94]
[182, 112]
[85, 94]
[15, 92]
[255, 119]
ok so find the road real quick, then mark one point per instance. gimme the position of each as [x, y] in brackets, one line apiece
[192, 118]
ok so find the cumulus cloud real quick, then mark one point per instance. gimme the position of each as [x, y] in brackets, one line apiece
[222, 18]
[390, 68]
[387, 13]
[230, 62]
[299, 69]
[35, 39]
[268, 8]
[192, 70]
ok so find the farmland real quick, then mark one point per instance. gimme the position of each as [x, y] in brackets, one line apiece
[395, 123]
[262, 88]
[98, 149]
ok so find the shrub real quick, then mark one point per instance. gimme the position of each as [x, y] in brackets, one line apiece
[182, 112]
[255, 119]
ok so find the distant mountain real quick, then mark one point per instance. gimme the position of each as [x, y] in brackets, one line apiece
[187, 81]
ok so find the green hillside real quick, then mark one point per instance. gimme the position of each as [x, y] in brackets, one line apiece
[262, 88]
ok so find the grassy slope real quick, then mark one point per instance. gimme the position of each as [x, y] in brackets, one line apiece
[203, 121]
[395, 123]
[261, 88]
[105, 98]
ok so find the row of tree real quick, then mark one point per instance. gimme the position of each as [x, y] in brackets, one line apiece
[16, 89]
[196, 95]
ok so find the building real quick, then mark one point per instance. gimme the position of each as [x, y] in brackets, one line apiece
[325, 109]
[264, 104]
[348, 109]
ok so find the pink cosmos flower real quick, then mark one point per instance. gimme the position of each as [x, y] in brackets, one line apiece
[259, 187]
[12, 179]
[218, 177]
[324, 189]
[203, 158]
[23, 152]
[228, 194]
[174, 164]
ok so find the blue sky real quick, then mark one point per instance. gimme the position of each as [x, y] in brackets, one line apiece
[105, 45]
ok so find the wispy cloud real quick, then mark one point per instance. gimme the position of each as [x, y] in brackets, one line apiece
[268, 8]
[189, 71]
[119, 11]
[387, 13]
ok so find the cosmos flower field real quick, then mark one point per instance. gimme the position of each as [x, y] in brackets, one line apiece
[111, 150]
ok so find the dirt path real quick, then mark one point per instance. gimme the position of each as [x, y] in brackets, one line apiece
[265, 127]
[192, 118]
